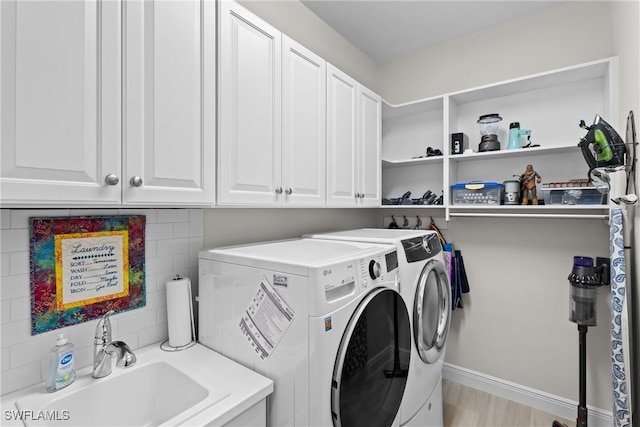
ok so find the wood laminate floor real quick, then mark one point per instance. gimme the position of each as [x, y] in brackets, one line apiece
[468, 407]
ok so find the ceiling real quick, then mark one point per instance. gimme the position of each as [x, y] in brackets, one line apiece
[386, 29]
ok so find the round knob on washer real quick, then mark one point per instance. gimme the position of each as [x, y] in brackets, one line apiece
[374, 269]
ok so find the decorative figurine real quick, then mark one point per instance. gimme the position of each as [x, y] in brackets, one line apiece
[528, 181]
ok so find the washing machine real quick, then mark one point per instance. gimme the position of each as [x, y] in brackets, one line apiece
[424, 286]
[323, 319]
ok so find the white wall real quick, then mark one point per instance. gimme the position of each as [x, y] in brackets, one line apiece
[564, 35]
[514, 324]
[173, 238]
[225, 227]
[298, 22]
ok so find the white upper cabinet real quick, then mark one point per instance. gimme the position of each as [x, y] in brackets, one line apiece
[272, 115]
[370, 117]
[169, 120]
[304, 126]
[250, 108]
[60, 102]
[353, 142]
[97, 93]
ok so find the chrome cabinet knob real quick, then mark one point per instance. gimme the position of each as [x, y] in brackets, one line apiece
[279, 190]
[111, 179]
[288, 191]
[135, 181]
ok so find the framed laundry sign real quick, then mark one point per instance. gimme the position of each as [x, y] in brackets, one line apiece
[82, 267]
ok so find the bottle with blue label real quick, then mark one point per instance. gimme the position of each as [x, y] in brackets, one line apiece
[62, 370]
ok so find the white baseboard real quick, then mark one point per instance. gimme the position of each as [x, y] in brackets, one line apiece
[537, 399]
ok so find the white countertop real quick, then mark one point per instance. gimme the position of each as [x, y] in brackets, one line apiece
[205, 366]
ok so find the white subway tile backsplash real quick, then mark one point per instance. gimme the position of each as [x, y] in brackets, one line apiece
[5, 314]
[5, 264]
[173, 236]
[159, 264]
[172, 246]
[5, 218]
[159, 231]
[17, 378]
[20, 308]
[31, 351]
[181, 229]
[19, 263]
[5, 357]
[181, 261]
[173, 215]
[14, 240]
[15, 286]
[15, 332]
[196, 222]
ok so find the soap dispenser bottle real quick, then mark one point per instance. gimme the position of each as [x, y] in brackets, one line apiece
[62, 371]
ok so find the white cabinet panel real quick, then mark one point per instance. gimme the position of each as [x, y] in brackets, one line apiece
[60, 111]
[250, 108]
[353, 142]
[169, 116]
[369, 147]
[304, 131]
[342, 138]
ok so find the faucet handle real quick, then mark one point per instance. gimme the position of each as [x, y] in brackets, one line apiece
[103, 329]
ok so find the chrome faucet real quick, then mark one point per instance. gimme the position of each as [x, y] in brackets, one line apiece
[104, 349]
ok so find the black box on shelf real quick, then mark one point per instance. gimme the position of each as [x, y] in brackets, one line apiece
[459, 143]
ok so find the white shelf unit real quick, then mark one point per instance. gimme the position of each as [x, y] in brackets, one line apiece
[407, 131]
[550, 104]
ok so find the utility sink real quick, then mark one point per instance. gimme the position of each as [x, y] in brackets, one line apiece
[150, 394]
[196, 386]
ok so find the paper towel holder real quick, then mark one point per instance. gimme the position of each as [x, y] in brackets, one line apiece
[165, 344]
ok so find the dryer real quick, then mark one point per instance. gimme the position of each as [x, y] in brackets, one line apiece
[424, 285]
[322, 319]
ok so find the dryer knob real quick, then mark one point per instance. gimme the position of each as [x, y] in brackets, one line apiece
[374, 269]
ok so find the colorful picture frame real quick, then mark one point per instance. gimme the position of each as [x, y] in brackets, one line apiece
[83, 267]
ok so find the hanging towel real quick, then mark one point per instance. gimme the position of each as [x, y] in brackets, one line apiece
[619, 333]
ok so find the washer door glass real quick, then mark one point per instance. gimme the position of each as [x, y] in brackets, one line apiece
[371, 367]
[431, 312]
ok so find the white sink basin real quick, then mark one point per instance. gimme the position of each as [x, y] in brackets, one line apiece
[150, 394]
[196, 386]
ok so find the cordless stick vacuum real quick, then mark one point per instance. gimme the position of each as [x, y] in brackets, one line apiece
[585, 278]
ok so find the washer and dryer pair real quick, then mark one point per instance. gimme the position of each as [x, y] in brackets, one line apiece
[426, 291]
[326, 319]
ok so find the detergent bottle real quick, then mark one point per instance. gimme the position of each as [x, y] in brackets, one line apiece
[514, 135]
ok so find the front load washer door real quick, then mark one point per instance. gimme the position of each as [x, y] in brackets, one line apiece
[371, 366]
[431, 311]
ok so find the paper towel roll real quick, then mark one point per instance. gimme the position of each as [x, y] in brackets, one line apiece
[179, 312]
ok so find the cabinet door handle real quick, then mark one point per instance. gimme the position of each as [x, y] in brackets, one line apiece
[357, 195]
[111, 179]
[136, 181]
[288, 191]
[279, 190]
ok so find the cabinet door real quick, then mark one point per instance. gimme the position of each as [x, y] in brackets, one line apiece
[249, 164]
[60, 102]
[370, 114]
[304, 126]
[342, 138]
[169, 120]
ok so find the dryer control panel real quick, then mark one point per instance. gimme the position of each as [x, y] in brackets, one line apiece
[339, 283]
[422, 247]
